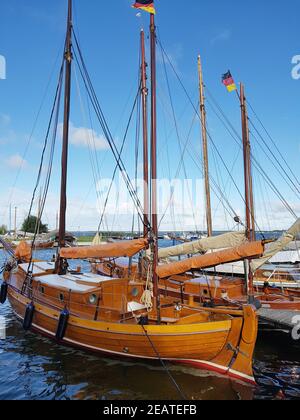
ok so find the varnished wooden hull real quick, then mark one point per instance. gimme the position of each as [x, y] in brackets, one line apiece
[207, 345]
[234, 287]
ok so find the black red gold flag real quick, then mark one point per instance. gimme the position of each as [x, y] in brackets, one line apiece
[228, 81]
[147, 5]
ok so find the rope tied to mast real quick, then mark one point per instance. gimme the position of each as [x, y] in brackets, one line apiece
[148, 295]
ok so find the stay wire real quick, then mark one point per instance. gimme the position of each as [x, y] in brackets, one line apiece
[283, 174]
[56, 101]
[208, 134]
[90, 142]
[121, 151]
[237, 138]
[137, 137]
[273, 142]
[107, 133]
[178, 135]
[33, 128]
[55, 110]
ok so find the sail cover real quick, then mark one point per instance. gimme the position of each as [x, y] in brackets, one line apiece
[247, 250]
[228, 240]
[276, 247]
[115, 250]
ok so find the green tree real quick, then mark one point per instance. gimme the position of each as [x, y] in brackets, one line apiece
[3, 230]
[29, 225]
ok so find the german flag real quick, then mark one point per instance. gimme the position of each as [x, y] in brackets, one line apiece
[147, 5]
[228, 81]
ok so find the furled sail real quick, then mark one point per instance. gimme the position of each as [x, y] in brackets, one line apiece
[23, 252]
[228, 240]
[97, 239]
[115, 250]
[247, 250]
[276, 247]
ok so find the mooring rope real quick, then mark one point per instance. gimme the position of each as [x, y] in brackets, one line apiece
[165, 367]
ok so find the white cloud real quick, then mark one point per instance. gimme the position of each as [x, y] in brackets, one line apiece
[4, 120]
[7, 134]
[221, 37]
[16, 162]
[85, 137]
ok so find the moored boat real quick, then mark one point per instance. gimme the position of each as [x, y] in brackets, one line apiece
[105, 315]
[122, 317]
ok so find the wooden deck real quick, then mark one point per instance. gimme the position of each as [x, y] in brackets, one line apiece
[279, 319]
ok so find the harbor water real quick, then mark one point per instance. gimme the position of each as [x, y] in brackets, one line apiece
[35, 368]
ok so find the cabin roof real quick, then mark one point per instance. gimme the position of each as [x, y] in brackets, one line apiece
[38, 267]
[80, 283]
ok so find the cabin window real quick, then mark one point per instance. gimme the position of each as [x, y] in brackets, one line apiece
[135, 292]
[42, 290]
[61, 297]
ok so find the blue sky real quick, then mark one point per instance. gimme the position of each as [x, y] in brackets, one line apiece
[256, 40]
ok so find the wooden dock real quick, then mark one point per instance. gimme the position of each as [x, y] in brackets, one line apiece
[279, 319]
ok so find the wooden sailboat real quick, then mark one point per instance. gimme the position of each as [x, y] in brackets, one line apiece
[186, 281]
[104, 314]
[230, 288]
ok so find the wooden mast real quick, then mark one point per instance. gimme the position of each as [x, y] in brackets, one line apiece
[245, 157]
[205, 150]
[39, 212]
[64, 162]
[249, 198]
[249, 162]
[154, 161]
[145, 133]
[248, 182]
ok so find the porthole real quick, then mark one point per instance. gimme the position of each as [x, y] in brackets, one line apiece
[93, 299]
[135, 292]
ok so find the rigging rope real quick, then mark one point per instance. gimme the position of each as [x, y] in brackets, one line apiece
[99, 113]
[274, 143]
[121, 151]
[284, 175]
[164, 364]
[178, 135]
[33, 130]
[54, 113]
[137, 138]
[91, 144]
[208, 134]
[237, 138]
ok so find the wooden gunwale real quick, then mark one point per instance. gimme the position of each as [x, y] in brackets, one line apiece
[119, 328]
